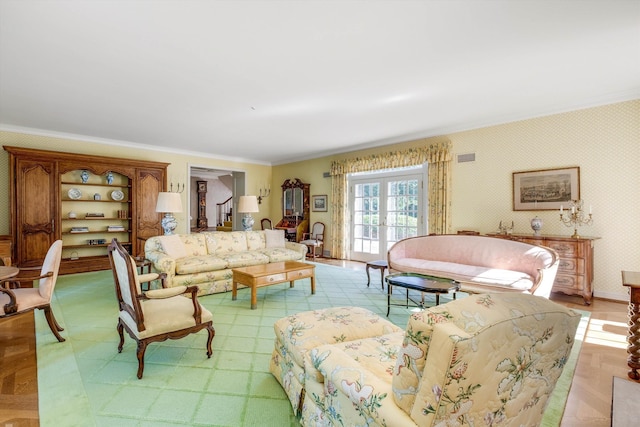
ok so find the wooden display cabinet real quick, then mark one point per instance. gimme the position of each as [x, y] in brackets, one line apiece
[83, 200]
[575, 269]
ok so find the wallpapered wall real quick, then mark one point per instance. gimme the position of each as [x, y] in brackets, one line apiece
[603, 141]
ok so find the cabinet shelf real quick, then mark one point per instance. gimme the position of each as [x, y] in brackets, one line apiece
[70, 233]
[98, 218]
[89, 184]
[92, 246]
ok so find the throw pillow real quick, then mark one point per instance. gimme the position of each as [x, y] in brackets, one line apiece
[173, 246]
[274, 238]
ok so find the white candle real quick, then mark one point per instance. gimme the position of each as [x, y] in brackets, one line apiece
[560, 209]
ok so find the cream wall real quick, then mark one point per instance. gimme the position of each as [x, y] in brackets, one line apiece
[603, 141]
[177, 172]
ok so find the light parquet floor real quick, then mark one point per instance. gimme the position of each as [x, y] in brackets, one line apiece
[602, 357]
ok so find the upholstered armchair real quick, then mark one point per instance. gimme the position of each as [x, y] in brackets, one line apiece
[15, 299]
[315, 239]
[158, 314]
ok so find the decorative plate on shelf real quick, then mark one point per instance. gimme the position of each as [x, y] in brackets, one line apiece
[117, 195]
[74, 193]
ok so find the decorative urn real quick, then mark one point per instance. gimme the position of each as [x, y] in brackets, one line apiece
[536, 225]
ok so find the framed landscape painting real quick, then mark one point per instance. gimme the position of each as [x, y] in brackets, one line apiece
[319, 203]
[546, 189]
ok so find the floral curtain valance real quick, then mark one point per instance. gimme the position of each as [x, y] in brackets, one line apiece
[437, 152]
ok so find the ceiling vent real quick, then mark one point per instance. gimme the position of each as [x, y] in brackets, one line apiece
[469, 157]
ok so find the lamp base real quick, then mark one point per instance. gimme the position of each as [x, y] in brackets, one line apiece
[168, 223]
[247, 222]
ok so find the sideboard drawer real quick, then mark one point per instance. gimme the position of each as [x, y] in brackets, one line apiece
[564, 249]
[568, 282]
[571, 266]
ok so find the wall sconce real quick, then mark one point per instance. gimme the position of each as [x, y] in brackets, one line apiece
[263, 193]
[179, 189]
[246, 206]
[169, 203]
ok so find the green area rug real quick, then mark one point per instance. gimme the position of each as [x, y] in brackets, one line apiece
[86, 382]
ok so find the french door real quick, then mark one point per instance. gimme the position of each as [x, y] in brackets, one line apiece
[385, 208]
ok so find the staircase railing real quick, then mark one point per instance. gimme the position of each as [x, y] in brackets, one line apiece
[224, 210]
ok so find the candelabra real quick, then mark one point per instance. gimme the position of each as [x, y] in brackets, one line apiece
[575, 217]
[505, 228]
[263, 194]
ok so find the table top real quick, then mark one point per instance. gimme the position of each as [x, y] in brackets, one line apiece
[8, 272]
[378, 263]
[631, 278]
[421, 282]
[273, 268]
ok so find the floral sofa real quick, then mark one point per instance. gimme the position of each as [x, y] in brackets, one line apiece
[479, 263]
[206, 259]
[486, 359]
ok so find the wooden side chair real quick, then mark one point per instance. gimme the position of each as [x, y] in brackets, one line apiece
[155, 315]
[265, 223]
[15, 299]
[315, 239]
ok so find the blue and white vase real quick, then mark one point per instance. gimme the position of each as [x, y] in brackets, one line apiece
[84, 176]
[109, 178]
[536, 226]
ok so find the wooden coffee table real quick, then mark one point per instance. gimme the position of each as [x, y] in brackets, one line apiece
[257, 276]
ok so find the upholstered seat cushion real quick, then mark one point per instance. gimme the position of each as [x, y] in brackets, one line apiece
[26, 297]
[467, 273]
[280, 254]
[156, 319]
[199, 264]
[244, 259]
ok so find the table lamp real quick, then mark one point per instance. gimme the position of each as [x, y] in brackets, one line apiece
[169, 203]
[246, 206]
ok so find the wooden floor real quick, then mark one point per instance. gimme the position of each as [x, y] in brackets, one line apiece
[602, 357]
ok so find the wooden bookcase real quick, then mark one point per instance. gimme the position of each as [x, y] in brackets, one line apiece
[47, 186]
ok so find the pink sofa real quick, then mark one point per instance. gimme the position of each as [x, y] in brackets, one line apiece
[480, 263]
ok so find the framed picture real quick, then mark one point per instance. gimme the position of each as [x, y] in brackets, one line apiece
[547, 189]
[319, 203]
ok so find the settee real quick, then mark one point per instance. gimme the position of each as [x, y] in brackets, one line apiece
[485, 359]
[206, 259]
[479, 263]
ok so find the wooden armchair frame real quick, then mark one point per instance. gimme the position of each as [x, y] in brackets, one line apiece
[314, 239]
[131, 301]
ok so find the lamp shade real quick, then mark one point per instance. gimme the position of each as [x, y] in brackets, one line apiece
[248, 204]
[169, 202]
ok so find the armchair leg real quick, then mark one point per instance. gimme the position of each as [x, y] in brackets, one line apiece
[120, 330]
[53, 324]
[142, 347]
[211, 333]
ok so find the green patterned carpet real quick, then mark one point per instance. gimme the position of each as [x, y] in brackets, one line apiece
[86, 382]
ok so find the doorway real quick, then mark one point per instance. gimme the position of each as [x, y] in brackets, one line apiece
[385, 206]
[221, 187]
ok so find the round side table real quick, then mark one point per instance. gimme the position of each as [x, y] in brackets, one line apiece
[381, 265]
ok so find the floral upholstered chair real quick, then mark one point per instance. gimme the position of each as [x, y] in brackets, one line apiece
[487, 359]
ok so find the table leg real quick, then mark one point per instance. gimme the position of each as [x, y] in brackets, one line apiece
[382, 278]
[254, 297]
[633, 339]
[388, 298]
[234, 291]
[437, 299]
[291, 284]
[368, 277]
[313, 284]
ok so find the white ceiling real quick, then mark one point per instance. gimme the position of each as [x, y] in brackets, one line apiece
[278, 81]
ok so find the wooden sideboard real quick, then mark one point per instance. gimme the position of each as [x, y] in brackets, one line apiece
[85, 201]
[575, 270]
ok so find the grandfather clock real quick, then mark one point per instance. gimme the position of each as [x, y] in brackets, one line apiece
[202, 204]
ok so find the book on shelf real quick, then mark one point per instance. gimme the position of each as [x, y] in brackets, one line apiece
[115, 228]
[94, 215]
[79, 229]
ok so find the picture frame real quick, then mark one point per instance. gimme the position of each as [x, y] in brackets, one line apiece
[545, 189]
[319, 203]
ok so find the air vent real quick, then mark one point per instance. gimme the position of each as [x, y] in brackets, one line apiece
[469, 157]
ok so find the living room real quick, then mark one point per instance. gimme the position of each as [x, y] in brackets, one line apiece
[597, 134]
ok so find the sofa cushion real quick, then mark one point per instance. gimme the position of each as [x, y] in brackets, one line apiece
[172, 245]
[280, 254]
[199, 264]
[255, 240]
[244, 259]
[274, 238]
[194, 244]
[234, 241]
[466, 273]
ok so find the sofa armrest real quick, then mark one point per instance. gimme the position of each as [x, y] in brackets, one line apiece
[163, 263]
[298, 247]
